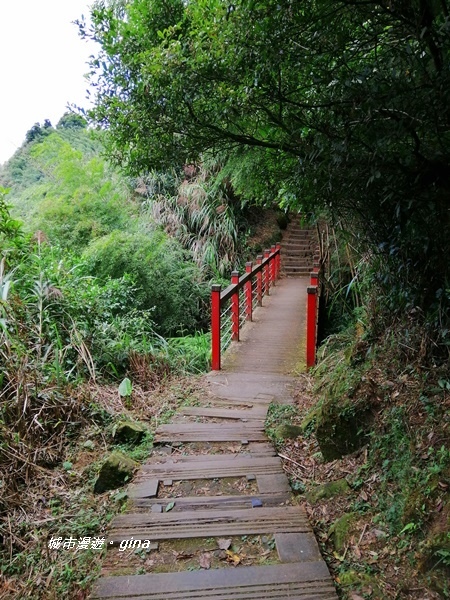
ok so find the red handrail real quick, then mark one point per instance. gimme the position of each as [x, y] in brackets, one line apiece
[312, 316]
[264, 274]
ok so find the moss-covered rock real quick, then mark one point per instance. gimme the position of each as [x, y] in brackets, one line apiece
[360, 581]
[328, 490]
[342, 529]
[434, 559]
[341, 427]
[129, 432]
[117, 470]
[288, 432]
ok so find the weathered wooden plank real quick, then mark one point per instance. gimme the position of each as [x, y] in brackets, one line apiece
[270, 483]
[208, 523]
[224, 413]
[297, 547]
[209, 432]
[213, 502]
[286, 513]
[234, 467]
[185, 427]
[194, 459]
[144, 489]
[159, 533]
[233, 402]
[305, 581]
[257, 450]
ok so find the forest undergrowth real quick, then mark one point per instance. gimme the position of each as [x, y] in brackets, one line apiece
[52, 495]
[104, 319]
[367, 450]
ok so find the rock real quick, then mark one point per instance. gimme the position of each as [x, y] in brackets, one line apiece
[116, 471]
[328, 490]
[288, 432]
[341, 530]
[366, 584]
[128, 432]
[341, 428]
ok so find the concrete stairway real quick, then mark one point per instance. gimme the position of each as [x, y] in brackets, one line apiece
[298, 249]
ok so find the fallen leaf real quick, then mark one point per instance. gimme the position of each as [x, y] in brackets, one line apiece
[205, 561]
[170, 506]
[339, 557]
[233, 558]
[182, 555]
[223, 544]
[379, 533]
[234, 449]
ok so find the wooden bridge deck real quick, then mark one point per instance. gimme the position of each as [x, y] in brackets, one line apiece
[220, 441]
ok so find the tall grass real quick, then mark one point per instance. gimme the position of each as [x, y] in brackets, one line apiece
[202, 215]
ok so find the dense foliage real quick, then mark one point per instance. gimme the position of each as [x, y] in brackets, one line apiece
[88, 265]
[341, 105]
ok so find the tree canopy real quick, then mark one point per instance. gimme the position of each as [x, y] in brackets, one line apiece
[337, 104]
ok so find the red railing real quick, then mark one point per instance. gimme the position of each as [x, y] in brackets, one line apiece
[230, 308]
[312, 316]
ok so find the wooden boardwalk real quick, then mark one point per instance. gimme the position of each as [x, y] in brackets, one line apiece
[224, 441]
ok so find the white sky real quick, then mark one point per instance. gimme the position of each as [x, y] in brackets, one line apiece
[42, 64]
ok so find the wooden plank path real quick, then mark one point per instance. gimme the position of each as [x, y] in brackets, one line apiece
[224, 441]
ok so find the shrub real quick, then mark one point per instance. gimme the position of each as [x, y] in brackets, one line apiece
[169, 283]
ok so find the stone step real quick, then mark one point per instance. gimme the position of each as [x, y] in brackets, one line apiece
[300, 234]
[306, 257]
[294, 246]
[296, 273]
[294, 268]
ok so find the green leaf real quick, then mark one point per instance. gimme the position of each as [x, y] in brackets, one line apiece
[125, 388]
[120, 496]
[170, 506]
[67, 465]
[409, 527]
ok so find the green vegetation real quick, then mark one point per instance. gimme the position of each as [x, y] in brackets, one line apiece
[342, 109]
[337, 110]
[92, 292]
[377, 401]
[104, 289]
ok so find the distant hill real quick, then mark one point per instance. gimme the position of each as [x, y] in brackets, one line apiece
[60, 183]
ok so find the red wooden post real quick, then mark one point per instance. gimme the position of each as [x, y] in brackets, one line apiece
[235, 308]
[316, 266]
[259, 279]
[267, 273]
[215, 327]
[249, 292]
[314, 278]
[273, 265]
[311, 321]
[278, 247]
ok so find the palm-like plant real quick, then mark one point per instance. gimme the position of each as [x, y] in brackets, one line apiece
[202, 214]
